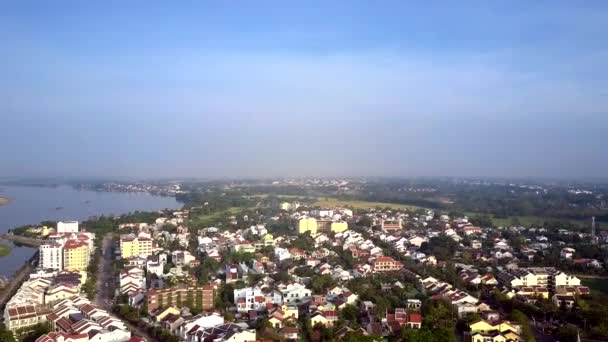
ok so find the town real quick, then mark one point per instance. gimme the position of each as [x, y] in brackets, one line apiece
[292, 270]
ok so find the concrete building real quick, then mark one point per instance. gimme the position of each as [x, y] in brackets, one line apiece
[339, 226]
[67, 227]
[131, 245]
[51, 256]
[201, 297]
[76, 255]
[307, 224]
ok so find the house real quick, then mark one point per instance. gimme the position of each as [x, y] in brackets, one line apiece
[567, 253]
[499, 331]
[386, 264]
[296, 294]
[249, 298]
[391, 226]
[289, 333]
[319, 318]
[563, 301]
[468, 230]
[401, 318]
[417, 241]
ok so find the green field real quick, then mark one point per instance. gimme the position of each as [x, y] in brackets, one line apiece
[525, 221]
[334, 202]
[596, 284]
[211, 219]
[5, 250]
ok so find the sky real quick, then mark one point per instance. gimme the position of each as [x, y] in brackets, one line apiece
[147, 89]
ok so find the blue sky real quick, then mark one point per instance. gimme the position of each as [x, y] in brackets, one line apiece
[271, 88]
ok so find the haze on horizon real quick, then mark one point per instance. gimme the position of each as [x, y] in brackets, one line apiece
[263, 89]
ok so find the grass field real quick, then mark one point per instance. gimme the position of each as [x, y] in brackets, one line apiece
[5, 250]
[596, 284]
[333, 202]
[202, 220]
[524, 220]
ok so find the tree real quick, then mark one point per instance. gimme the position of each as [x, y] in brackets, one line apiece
[30, 334]
[439, 314]
[522, 319]
[350, 313]
[6, 335]
[321, 283]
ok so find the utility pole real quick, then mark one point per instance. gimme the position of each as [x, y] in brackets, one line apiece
[593, 239]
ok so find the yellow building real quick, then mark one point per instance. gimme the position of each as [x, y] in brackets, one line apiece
[75, 255]
[502, 331]
[268, 240]
[339, 227]
[168, 311]
[307, 224]
[131, 246]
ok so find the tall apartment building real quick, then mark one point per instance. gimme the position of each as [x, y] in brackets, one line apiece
[131, 245]
[51, 256]
[307, 224]
[67, 227]
[75, 255]
[197, 297]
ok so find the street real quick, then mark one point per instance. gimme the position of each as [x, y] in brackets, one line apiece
[106, 283]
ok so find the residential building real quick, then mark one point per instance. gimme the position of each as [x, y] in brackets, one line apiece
[250, 298]
[499, 331]
[67, 227]
[51, 256]
[200, 297]
[391, 226]
[387, 264]
[76, 255]
[307, 224]
[339, 226]
[131, 245]
[22, 317]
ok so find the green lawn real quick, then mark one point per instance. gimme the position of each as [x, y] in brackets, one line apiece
[334, 202]
[5, 250]
[204, 220]
[526, 221]
[596, 284]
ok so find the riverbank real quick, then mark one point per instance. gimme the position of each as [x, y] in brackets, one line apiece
[4, 200]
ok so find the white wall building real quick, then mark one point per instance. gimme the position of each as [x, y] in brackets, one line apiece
[51, 256]
[67, 227]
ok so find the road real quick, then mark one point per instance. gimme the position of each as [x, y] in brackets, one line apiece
[106, 284]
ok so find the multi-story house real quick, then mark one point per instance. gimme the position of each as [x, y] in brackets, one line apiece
[76, 255]
[249, 298]
[67, 227]
[131, 245]
[51, 256]
[387, 264]
[200, 297]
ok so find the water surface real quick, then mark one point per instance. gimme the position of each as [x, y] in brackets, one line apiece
[31, 205]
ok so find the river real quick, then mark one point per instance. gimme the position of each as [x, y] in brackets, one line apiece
[31, 205]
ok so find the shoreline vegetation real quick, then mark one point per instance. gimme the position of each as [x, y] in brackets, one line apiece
[4, 200]
[5, 250]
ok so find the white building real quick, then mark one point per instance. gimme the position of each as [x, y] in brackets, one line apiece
[295, 293]
[249, 298]
[51, 256]
[67, 227]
